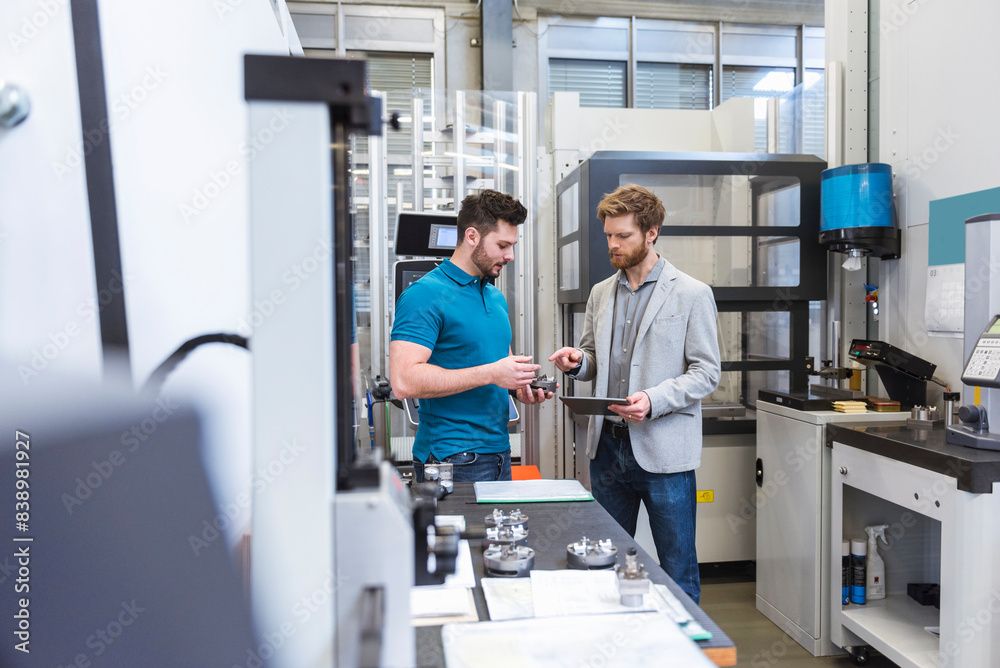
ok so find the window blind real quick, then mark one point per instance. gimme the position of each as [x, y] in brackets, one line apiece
[600, 83]
[673, 86]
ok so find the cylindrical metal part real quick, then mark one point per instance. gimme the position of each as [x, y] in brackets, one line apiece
[951, 400]
[591, 554]
[508, 561]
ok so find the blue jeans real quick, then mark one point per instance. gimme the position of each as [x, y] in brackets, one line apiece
[619, 483]
[470, 466]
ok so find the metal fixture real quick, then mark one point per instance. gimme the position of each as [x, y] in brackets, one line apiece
[508, 561]
[633, 583]
[587, 554]
[14, 104]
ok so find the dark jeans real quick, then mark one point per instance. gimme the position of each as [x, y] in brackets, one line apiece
[470, 466]
[619, 483]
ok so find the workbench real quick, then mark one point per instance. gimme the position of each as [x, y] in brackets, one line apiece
[552, 526]
[942, 505]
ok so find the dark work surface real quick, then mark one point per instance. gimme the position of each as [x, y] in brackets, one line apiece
[975, 470]
[551, 527]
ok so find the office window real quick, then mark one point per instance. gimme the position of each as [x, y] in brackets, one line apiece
[758, 82]
[600, 83]
[673, 86]
[814, 113]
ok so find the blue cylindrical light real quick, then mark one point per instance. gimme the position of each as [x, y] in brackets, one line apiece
[856, 196]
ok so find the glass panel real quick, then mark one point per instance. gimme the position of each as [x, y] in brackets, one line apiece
[767, 335]
[734, 261]
[569, 210]
[777, 261]
[697, 199]
[723, 200]
[761, 83]
[569, 266]
[778, 201]
[761, 380]
[742, 387]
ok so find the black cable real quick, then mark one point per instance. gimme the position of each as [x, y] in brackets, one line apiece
[161, 372]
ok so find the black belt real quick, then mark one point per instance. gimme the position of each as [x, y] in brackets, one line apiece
[616, 429]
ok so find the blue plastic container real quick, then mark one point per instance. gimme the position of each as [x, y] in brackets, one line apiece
[856, 196]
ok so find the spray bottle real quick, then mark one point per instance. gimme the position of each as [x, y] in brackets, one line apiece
[875, 583]
[859, 553]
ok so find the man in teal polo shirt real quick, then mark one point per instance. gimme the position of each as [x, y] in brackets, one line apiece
[450, 347]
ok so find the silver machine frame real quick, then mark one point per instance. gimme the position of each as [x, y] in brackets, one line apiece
[318, 524]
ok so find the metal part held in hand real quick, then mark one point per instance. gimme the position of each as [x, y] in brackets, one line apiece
[591, 555]
[633, 582]
[14, 104]
[505, 535]
[512, 519]
[508, 561]
[544, 383]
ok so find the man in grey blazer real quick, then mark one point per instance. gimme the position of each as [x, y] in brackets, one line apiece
[649, 335]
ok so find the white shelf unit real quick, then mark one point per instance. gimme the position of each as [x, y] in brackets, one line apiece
[896, 625]
[938, 534]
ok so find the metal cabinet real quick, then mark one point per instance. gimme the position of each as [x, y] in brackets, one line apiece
[792, 508]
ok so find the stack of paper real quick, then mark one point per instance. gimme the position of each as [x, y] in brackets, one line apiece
[581, 640]
[850, 406]
[569, 592]
[527, 491]
[451, 602]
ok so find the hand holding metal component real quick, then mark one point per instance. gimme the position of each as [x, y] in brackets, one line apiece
[545, 383]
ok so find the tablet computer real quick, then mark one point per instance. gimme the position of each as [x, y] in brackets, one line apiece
[592, 405]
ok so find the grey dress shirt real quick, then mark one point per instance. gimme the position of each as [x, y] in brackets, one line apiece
[629, 307]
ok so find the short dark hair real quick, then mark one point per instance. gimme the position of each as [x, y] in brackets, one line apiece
[647, 207]
[483, 209]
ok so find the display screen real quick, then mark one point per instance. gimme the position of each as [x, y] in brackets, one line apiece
[443, 237]
[995, 327]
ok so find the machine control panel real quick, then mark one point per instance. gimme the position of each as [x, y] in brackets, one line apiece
[983, 367]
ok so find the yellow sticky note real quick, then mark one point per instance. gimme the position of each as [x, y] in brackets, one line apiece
[706, 495]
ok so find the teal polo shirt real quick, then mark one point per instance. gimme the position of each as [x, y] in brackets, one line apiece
[463, 320]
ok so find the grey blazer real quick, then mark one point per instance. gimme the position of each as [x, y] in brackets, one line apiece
[675, 361]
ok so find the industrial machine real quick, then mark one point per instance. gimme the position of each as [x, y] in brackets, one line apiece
[306, 387]
[747, 225]
[982, 337]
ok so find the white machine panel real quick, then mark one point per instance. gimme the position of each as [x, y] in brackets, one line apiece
[793, 519]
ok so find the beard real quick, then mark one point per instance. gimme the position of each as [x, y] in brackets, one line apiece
[486, 267]
[629, 260]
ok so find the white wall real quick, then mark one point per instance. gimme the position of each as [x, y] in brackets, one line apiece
[174, 78]
[47, 293]
[939, 131]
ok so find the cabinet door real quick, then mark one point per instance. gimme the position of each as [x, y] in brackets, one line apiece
[789, 518]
